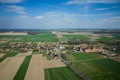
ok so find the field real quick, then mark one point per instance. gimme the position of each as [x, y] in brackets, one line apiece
[82, 56]
[73, 37]
[110, 37]
[9, 54]
[60, 73]
[45, 37]
[95, 66]
[9, 67]
[95, 70]
[23, 69]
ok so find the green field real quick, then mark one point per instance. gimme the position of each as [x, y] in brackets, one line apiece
[95, 66]
[61, 73]
[82, 56]
[73, 37]
[109, 64]
[46, 37]
[9, 54]
[114, 37]
[96, 71]
[23, 69]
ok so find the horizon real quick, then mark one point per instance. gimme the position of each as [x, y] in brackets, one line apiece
[59, 14]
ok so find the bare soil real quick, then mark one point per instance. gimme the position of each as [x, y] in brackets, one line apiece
[9, 67]
[37, 65]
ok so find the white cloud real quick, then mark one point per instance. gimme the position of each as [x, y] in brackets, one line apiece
[91, 1]
[17, 9]
[107, 8]
[39, 17]
[10, 1]
[112, 19]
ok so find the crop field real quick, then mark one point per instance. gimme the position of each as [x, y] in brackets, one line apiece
[111, 37]
[73, 37]
[61, 73]
[82, 56]
[9, 54]
[30, 38]
[95, 66]
[9, 67]
[109, 64]
[23, 69]
[95, 70]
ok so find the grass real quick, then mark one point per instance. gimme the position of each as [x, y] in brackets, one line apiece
[23, 69]
[9, 54]
[61, 73]
[74, 37]
[115, 37]
[82, 56]
[95, 71]
[109, 64]
[46, 37]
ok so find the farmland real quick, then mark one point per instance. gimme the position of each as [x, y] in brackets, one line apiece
[9, 54]
[82, 56]
[95, 68]
[60, 73]
[23, 69]
[45, 37]
[59, 56]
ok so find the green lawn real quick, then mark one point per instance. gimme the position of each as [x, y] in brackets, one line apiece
[61, 73]
[46, 37]
[23, 69]
[9, 54]
[82, 56]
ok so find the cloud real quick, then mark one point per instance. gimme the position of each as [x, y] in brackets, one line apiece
[10, 1]
[39, 17]
[107, 8]
[17, 9]
[112, 19]
[91, 1]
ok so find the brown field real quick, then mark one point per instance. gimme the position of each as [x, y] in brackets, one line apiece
[13, 33]
[1, 55]
[9, 67]
[24, 54]
[37, 65]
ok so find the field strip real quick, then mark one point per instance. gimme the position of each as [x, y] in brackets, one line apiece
[36, 68]
[24, 54]
[9, 67]
[23, 69]
[86, 60]
[1, 55]
[54, 63]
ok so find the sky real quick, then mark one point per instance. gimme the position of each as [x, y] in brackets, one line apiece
[59, 14]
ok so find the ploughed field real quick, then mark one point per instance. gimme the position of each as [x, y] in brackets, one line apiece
[95, 66]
